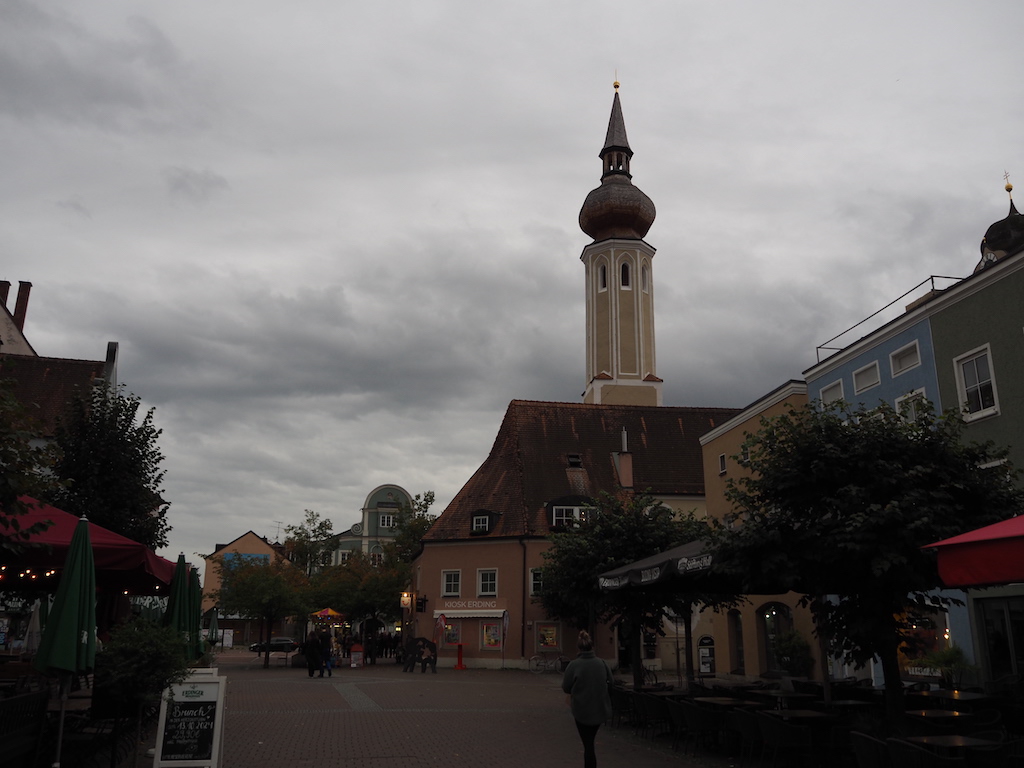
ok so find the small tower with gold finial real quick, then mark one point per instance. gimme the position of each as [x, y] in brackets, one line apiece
[1005, 237]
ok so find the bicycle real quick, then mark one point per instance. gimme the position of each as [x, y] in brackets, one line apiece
[540, 664]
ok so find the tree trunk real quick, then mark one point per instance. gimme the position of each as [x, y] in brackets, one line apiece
[894, 699]
[688, 640]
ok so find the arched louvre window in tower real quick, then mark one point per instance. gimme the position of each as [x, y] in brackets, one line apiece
[624, 280]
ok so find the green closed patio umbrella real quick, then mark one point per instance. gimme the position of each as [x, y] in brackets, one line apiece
[180, 605]
[213, 634]
[68, 644]
[195, 613]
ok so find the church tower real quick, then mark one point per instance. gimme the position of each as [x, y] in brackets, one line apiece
[619, 280]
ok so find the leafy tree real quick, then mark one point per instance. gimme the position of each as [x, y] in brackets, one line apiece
[264, 589]
[839, 503]
[360, 589]
[111, 464]
[24, 465]
[413, 525]
[617, 532]
[310, 543]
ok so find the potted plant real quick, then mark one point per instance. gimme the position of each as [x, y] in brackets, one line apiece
[950, 662]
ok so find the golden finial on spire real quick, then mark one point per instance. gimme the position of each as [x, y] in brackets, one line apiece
[616, 83]
[1009, 186]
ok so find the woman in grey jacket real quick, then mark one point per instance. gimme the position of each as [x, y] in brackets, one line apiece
[586, 680]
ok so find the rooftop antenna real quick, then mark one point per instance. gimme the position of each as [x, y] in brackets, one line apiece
[277, 536]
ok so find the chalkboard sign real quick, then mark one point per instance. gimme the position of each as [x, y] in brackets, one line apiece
[188, 731]
[190, 727]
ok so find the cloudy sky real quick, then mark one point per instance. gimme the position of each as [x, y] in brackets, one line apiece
[335, 239]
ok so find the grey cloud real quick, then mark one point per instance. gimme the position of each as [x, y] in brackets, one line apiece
[192, 186]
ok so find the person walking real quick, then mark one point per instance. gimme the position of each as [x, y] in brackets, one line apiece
[411, 655]
[587, 680]
[311, 650]
[326, 651]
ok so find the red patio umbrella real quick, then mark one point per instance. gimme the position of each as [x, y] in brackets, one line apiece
[983, 557]
[121, 563]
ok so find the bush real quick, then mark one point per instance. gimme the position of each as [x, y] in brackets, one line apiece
[139, 662]
[794, 653]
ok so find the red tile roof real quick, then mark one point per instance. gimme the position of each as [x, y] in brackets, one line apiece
[528, 466]
[45, 385]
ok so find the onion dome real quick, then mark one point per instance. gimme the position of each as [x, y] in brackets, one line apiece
[1004, 238]
[616, 209]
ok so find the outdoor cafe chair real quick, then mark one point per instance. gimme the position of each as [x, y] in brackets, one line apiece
[676, 720]
[622, 705]
[704, 723]
[868, 751]
[779, 736]
[743, 722]
[903, 754]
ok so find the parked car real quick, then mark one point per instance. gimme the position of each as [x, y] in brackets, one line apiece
[276, 645]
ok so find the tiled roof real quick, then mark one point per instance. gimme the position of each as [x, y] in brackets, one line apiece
[528, 466]
[45, 385]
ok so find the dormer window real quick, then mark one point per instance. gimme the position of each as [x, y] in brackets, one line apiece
[481, 523]
[575, 460]
[567, 517]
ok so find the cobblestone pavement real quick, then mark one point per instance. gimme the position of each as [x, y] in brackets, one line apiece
[379, 716]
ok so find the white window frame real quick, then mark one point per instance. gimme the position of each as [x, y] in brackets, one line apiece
[721, 464]
[481, 523]
[387, 520]
[343, 556]
[536, 580]
[625, 268]
[961, 386]
[894, 356]
[568, 516]
[917, 394]
[449, 579]
[821, 392]
[602, 278]
[858, 388]
[376, 559]
[480, 591]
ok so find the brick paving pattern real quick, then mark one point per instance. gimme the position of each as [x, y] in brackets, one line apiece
[379, 716]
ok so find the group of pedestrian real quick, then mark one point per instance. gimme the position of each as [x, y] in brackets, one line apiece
[320, 652]
[420, 650]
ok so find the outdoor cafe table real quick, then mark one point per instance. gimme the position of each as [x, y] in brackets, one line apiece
[726, 702]
[939, 715]
[803, 716]
[783, 698]
[955, 697]
[950, 742]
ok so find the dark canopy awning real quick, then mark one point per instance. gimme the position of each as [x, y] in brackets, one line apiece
[690, 559]
[983, 557]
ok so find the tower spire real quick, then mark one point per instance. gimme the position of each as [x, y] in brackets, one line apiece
[619, 279]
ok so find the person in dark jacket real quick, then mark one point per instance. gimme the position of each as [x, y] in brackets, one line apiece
[587, 680]
[314, 657]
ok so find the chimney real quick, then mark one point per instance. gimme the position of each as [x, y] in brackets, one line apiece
[624, 463]
[5, 289]
[24, 288]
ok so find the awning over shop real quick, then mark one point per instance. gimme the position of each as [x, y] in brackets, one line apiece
[690, 559]
[471, 613]
[983, 557]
